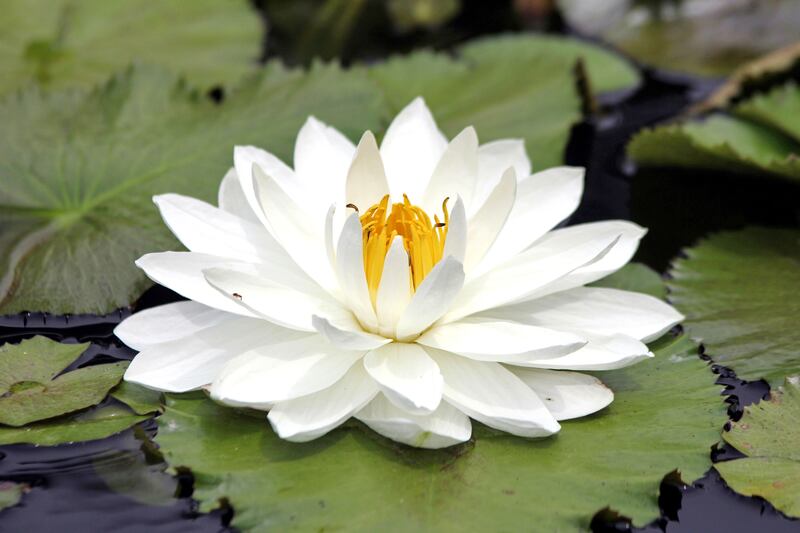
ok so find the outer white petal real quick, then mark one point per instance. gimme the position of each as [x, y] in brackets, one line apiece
[411, 149]
[308, 417]
[543, 200]
[301, 234]
[456, 174]
[194, 361]
[366, 179]
[168, 323]
[432, 299]
[350, 272]
[493, 159]
[598, 311]
[407, 376]
[484, 227]
[231, 198]
[394, 291]
[526, 274]
[266, 375]
[567, 395]
[444, 427]
[348, 335]
[244, 157]
[250, 287]
[500, 340]
[206, 229]
[491, 394]
[629, 236]
[322, 156]
[182, 272]
[456, 242]
[601, 353]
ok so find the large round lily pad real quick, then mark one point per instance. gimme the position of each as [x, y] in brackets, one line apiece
[739, 291]
[666, 416]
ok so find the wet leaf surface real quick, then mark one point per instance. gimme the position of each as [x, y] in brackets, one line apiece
[768, 435]
[143, 401]
[10, 493]
[738, 292]
[66, 43]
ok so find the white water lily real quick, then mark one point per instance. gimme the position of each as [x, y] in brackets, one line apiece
[412, 286]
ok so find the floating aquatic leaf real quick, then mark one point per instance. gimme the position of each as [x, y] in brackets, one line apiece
[738, 291]
[91, 425]
[768, 434]
[29, 390]
[59, 43]
[666, 416]
[143, 401]
[761, 137]
[81, 168]
[10, 493]
[129, 474]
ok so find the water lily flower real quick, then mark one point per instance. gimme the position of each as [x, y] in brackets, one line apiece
[413, 286]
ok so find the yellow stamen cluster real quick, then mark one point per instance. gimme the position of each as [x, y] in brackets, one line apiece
[423, 240]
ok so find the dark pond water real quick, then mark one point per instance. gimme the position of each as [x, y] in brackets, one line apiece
[71, 485]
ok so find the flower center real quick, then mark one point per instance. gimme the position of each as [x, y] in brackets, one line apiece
[423, 240]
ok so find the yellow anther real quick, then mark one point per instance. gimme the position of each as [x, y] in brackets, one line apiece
[423, 240]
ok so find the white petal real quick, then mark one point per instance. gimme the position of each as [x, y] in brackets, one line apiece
[196, 360]
[251, 287]
[407, 376]
[456, 241]
[322, 156]
[182, 272]
[348, 336]
[266, 375]
[206, 229]
[494, 158]
[567, 395]
[244, 157]
[302, 235]
[600, 353]
[308, 417]
[432, 299]
[411, 149]
[366, 179]
[493, 395]
[168, 323]
[394, 291]
[525, 275]
[486, 224]
[618, 256]
[596, 310]
[456, 173]
[500, 340]
[350, 271]
[543, 200]
[231, 198]
[444, 427]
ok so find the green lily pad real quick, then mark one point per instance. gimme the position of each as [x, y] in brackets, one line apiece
[738, 291]
[635, 277]
[29, 390]
[768, 434]
[89, 425]
[81, 167]
[666, 416]
[762, 137]
[59, 43]
[10, 493]
[141, 400]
